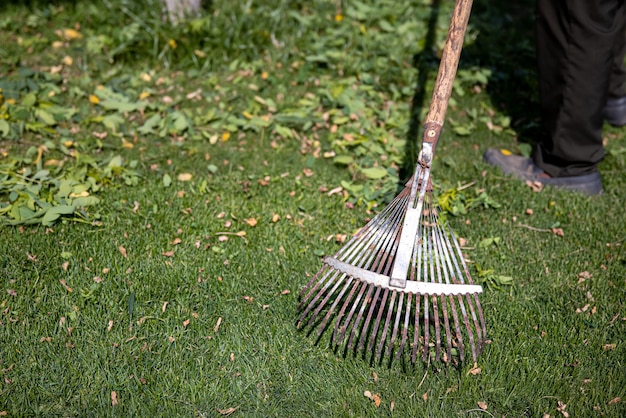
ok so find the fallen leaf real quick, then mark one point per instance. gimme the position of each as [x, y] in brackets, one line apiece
[226, 412]
[114, 400]
[168, 253]
[177, 241]
[185, 177]
[307, 172]
[12, 292]
[425, 396]
[285, 292]
[608, 347]
[217, 325]
[110, 326]
[69, 289]
[529, 211]
[474, 370]
[186, 322]
[97, 279]
[376, 399]
[275, 218]
[615, 400]
[558, 232]
[375, 377]
[251, 221]
[123, 251]
[482, 405]
[536, 186]
[248, 298]
[65, 265]
[164, 306]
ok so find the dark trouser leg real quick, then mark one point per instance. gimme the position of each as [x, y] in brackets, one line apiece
[575, 50]
[617, 86]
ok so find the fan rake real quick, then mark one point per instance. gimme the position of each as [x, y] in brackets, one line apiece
[401, 284]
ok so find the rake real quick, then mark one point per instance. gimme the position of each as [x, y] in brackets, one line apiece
[401, 282]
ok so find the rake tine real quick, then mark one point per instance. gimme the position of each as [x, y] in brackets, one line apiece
[341, 313]
[355, 328]
[396, 325]
[374, 331]
[416, 329]
[383, 337]
[322, 326]
[405, 326]
[440, 266]
[329, 276]
[373, 304]
[426, 330]
[449, 275]
[325, 300]
[355, 304]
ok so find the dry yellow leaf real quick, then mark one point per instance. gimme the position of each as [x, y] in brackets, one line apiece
[93, 99]
[185, 177]
[67, 60]
[172, 43]
[71, 34]
[474, 370]
[264, 75]
[225, 136]
[226, 412]
[57, 44]
[251, 221]
[482, 405]
[275, 218]
[144, 95]
[217, 325]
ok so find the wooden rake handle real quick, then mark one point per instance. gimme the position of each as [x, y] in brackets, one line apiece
[447, 71]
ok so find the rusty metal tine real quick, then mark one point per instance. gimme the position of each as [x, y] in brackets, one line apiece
[326, 298]
[396, 325]
[373, 304]
[450, 276]
[379, 315]
[383, 337]
[355, 284]
[405, 326]
[441, 261]
[355, 327]
[458, 277]
[355, 305]
[426, 352]
[439, 267]
[434, 300]
[338, 298]
[416, 329]
[328, 277]
[481, 330]
[319, 278]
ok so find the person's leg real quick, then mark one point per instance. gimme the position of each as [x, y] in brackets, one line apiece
[617, 85]
[575, 41]
[615, 110]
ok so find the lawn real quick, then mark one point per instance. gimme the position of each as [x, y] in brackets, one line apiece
[166, 192]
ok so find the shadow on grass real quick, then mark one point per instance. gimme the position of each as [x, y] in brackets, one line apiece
[505, 45]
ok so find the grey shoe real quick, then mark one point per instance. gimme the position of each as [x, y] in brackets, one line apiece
[615, 111]
[525, 169]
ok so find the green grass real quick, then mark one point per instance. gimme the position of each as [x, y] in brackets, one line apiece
[139, 294]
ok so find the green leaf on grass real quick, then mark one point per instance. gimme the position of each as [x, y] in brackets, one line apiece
[374, 172]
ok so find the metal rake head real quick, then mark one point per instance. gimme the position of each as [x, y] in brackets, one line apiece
[438, 304]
